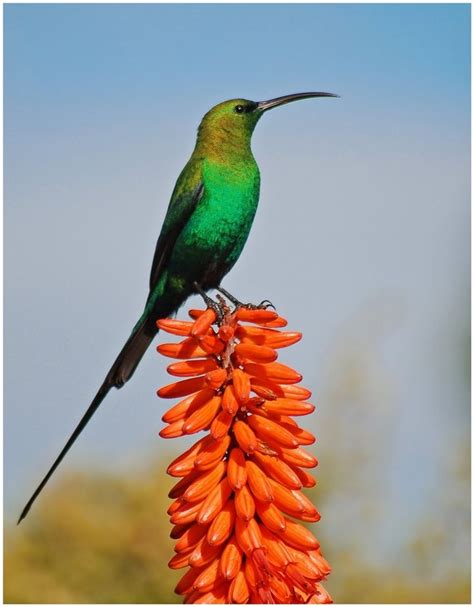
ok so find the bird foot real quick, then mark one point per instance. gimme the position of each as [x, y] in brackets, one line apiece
[219, 306]
[263, 305]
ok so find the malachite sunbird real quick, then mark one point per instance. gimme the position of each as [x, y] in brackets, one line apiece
[205, 229]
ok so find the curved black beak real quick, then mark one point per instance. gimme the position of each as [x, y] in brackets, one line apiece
[263, 106]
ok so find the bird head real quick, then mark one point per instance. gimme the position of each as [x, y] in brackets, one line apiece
[230, 124]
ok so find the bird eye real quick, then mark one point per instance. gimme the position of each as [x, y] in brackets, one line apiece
[239, 109]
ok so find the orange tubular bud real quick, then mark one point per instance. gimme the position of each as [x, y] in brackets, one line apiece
[245, 437]
[214, 502]
[270, 516]
[188, 348]
[278, 470]
[202, 417]
[222, 526]
[202, 324]
[256, 315]
[203, 553]
[221, 425]
[190, 538]
[236, 470]
[267, 429]
[176, 327]
[238, 590]
[287, 406]
[191, 368]
[184, 464]
[258, 483]
[231, 559]
[215, 379]
[241, 383]
[182, 388]
[244, 504]
[296, 392]
[248, 535]
[186, 406]
[257, 354]
[240, 484]
[185, 584]
[274, 372]
[229, 400]
[204, 483]
[173, 430]
[210, 455]
[208, 577]
[266, 389]
[298, 536]
[298, 457]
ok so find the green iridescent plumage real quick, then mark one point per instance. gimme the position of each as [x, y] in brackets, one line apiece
[205, 229]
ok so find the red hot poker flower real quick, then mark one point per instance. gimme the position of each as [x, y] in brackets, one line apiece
[238, 501]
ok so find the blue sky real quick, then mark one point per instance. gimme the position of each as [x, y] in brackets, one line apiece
[365, 199]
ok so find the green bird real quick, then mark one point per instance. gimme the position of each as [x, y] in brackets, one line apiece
[205, 229]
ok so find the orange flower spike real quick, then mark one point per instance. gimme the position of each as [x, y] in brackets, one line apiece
[181, 486]
[245, 436]
[244, 504]
[191, 368]
[304, 437]
[216, 596]
[231, 559]
[258, 482]
[222, 526]
[267, 337]
[321, 596]
[257, 354]
[202, 324]
[204, 483]
[241, 383]
[285, 500]
[203, 417]
[226, 333]
[214, 502]
[266, 429]
[176, 327]
[229, 400]
[182, 388]
[278, 323]
[236, 470]
[238, 590]
[215, 379]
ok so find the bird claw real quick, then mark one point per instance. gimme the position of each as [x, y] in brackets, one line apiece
[263, 305]
[217, 306]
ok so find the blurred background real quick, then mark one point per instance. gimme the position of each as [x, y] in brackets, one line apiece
[361, 240]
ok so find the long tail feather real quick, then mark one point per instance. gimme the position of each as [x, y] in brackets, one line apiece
[120, 372]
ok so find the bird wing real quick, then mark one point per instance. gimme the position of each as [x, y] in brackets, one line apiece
[181, 207]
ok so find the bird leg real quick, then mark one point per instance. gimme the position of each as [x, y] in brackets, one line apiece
[210, 303]
[263, 305]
